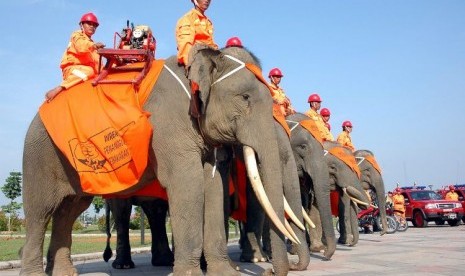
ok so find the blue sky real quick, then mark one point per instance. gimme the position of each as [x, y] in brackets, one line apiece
[396, 69]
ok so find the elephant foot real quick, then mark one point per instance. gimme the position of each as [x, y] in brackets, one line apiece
[222, 268]
[120, 263]
[163, 259]
[268, 272]
[254, 258]
[71, 271]
[182, 270]
[317, 248]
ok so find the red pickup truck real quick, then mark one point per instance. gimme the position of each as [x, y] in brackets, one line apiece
[460, 190]
[422, 206]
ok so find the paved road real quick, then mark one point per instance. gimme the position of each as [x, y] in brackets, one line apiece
[435, 250]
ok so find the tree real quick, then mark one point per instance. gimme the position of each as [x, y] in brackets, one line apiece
[99, 203]
[12, 190]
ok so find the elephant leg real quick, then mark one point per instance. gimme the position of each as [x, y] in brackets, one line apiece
[345, 221]
[252, 230]
[316, 234]
[156, 211]
[214, 245]
[59, 252]
[121, 209]
[31, 252]
[186, 203]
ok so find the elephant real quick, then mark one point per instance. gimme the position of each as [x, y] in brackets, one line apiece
[370, 179]
[229, 105]
[317, 168]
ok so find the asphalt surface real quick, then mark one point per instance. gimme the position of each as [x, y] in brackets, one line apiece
[435, 250]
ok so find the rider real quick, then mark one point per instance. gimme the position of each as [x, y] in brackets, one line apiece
[192, 28]
[451, 194]
[398, 201]
[314, 101]
[80, 61]
[325, 115]
[279, 97]
[344, 137]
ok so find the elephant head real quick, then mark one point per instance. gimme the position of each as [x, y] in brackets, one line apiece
[371, 179]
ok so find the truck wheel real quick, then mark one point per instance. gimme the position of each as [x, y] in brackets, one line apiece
[453, 222]
[439, 222]
[418, 220]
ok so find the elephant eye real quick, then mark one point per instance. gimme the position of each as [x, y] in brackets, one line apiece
[245, 97]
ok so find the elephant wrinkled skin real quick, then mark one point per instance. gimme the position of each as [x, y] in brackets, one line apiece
[232, 111]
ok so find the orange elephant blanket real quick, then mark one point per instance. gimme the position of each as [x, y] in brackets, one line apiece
[348, 159]
[103, 131]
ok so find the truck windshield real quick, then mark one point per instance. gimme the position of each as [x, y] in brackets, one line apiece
[425, 195]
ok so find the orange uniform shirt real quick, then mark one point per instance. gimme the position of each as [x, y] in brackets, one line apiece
[452, 196]
[345, 140]
[280, 98]
[324, 131]
[191, 28]
[80, 51]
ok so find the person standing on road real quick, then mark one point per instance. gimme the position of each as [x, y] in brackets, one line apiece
[399, 201]
[451, 194]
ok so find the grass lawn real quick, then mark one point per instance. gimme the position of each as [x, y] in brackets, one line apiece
[10, 245]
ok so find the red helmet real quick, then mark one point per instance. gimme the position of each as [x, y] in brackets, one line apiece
[314, 98]
[325, 112]
[234, 42]
[275, 72]
[397, 190]
[346, 124]
[89, 17]
[328, 125]
[451, 187]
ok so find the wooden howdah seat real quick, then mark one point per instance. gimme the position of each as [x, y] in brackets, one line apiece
[123, 60]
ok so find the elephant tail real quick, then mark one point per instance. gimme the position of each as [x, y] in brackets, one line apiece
[107, 253]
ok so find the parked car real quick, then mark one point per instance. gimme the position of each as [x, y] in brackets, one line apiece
[460, 190]
[422, 206]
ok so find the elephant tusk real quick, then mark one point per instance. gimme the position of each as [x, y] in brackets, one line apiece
[354, 199]
[289, 228]
[358, 201]
[307, 219]
[292, 215]
[257, 186]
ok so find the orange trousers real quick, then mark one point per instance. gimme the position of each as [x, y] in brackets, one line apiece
[75, 74]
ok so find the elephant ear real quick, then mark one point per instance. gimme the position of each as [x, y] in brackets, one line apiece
[202, 64]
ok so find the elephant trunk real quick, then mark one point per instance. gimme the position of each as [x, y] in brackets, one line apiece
[320, 177]
[270, 173]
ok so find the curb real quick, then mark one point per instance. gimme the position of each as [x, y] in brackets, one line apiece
[84, 257]
[74, 258]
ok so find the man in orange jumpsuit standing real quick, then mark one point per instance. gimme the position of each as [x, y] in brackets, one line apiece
[279, 97]
[315, 104]
[398, 203]
[451, 194]
[325, 115]
[80, 61]
[344, 137]
[194, 27]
